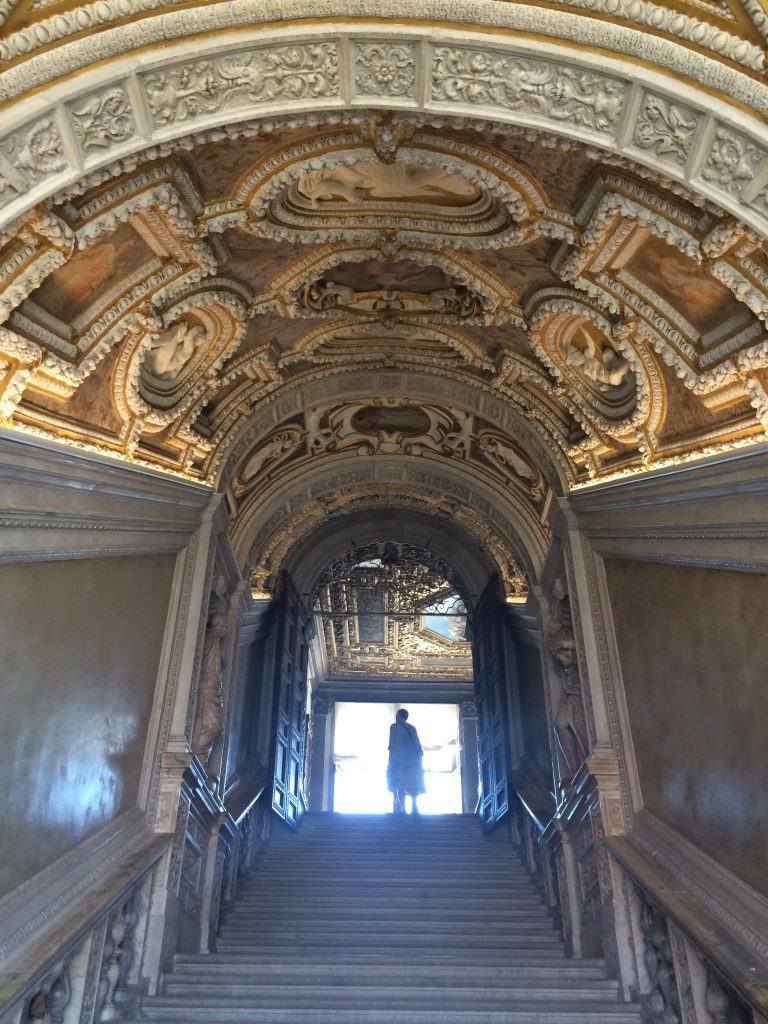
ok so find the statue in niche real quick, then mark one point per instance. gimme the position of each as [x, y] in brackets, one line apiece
[602, 365]
[570, 722]
[172, 350]
[209, 718]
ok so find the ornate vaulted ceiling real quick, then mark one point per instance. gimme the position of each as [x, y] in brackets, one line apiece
[520, 277]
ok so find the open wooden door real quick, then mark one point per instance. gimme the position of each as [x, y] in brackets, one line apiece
[291, 692]
[489, 657]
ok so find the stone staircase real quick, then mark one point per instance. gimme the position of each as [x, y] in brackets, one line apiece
[382, 920]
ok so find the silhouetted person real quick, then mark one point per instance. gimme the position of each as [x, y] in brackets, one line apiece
[405, 773]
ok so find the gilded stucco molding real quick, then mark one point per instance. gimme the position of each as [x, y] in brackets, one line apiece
[645, 15]
[278, 549]
[273, 200]
[288, 291]
[277, 509]
[441, 386]
[582, 97]
[404, 346]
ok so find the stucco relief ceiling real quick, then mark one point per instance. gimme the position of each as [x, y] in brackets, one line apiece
[205, 308]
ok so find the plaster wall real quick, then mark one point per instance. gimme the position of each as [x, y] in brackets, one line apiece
[693, 646]
[80, 645]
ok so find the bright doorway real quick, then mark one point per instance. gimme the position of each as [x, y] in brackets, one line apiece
[361, 735]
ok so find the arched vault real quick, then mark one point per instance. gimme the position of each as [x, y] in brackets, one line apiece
[333, 260]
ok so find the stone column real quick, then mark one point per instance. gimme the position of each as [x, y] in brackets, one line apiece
[470, 772]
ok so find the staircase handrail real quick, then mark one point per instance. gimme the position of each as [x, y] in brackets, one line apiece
[735, 957]
[38, 968]
[732, 956]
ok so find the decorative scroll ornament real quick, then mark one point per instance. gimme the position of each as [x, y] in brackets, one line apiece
[389, 426]
[389, 305]
[385, 69]
[240, 79]
[668, 129]
[539, 88]
[103, 120]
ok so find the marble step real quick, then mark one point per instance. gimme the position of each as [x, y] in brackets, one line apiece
[340, 931]
[533, 1013]
[383, 921]
[309, 970]
[346, 945]
[531, 902]
[458, 957]
[496, 917]
[350, 992]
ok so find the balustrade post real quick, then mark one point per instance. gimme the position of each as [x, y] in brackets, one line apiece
[116, 963]
[59, 996]
[50, 1001]
[663, 1000]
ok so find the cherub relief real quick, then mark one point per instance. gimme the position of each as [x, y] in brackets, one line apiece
[604, 366]
[172, 349]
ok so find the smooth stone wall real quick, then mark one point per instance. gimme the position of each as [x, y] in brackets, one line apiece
[693, 645]
[80, 645]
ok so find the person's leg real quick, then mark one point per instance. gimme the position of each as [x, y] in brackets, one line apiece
[414, 806]
[398, 801]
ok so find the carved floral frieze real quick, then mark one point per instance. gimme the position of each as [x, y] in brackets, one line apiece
[103, 120]
[537, 88]
[265, 75]
[385, 69]
[667, 129]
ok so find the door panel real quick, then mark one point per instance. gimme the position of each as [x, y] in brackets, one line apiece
[488, 653]
[291, 677]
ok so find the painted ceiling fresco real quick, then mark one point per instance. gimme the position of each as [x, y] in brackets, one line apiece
[305, 311]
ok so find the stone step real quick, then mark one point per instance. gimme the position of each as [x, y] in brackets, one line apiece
[388, 921]
[366, 941]
[447, 883]
[348, 991]
[199, 966]
[484, 901]
[404, 957]
[534, 1013]
[339, 932]
[393, 865]
[495, 917]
